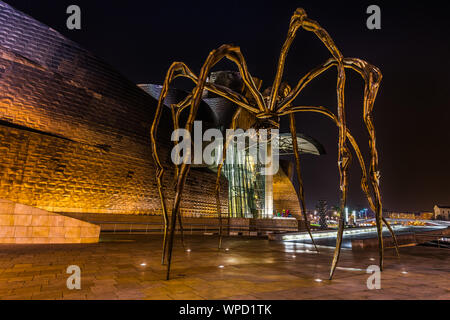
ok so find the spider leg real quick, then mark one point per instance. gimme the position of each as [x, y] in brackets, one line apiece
[343, 164]
[344, 159]
[232, 53]
[300, 20]
[369, 97]
[355, 147]
[155, 155]
[219, 171]
[176, 112]
[299, 175]
[365, 187]
[372, 79]
[305, 80]
[179, 69]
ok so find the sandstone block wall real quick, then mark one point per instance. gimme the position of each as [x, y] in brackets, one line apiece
[21, 224]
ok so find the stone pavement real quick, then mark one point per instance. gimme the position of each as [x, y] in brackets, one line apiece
[251, 269]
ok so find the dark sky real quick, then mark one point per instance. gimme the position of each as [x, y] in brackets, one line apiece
[142, 38]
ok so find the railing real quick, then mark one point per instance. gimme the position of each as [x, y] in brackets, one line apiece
[155, 227]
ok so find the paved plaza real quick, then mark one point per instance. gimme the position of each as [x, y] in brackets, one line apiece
[129, 267]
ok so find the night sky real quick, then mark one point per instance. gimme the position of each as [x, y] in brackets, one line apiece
[142, 38]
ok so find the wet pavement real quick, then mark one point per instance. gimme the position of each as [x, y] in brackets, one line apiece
[129, 267]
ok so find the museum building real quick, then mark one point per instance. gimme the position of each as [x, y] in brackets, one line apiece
[75, 141]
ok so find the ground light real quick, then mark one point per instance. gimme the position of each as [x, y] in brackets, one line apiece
[349, 269]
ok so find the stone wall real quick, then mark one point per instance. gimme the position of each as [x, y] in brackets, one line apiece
[23, 224]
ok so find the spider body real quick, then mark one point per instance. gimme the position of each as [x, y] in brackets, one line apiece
[266, 109]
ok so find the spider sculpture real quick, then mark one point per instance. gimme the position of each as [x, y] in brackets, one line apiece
[267, 108]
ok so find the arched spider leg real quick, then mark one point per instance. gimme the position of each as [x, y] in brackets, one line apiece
[365, 188]
[176, 110]
[219, 171]
[364, 182]
[303, 82]
[364, 177]
[232, 53]
[301, 194]
[179, 69]
[300, 20]
[372, 79]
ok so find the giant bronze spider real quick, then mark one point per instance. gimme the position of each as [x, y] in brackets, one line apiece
[267, 107]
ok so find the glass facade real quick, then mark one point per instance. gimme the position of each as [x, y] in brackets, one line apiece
[250, 188]
[246, 185]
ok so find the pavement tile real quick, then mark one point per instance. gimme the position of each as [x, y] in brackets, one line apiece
[253, 269]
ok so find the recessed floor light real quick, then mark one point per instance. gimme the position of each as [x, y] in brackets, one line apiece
[372, 259]
[143, 264]
[405, 272]
[188, 250]
[293, 256]
[221, 266]
[227, 249]
[318, 280]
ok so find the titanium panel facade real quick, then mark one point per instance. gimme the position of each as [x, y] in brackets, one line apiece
[74, 133]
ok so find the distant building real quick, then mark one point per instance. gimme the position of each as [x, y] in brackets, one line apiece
[401, 215]
[426, 215]
[408, 215]
[441, 212]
